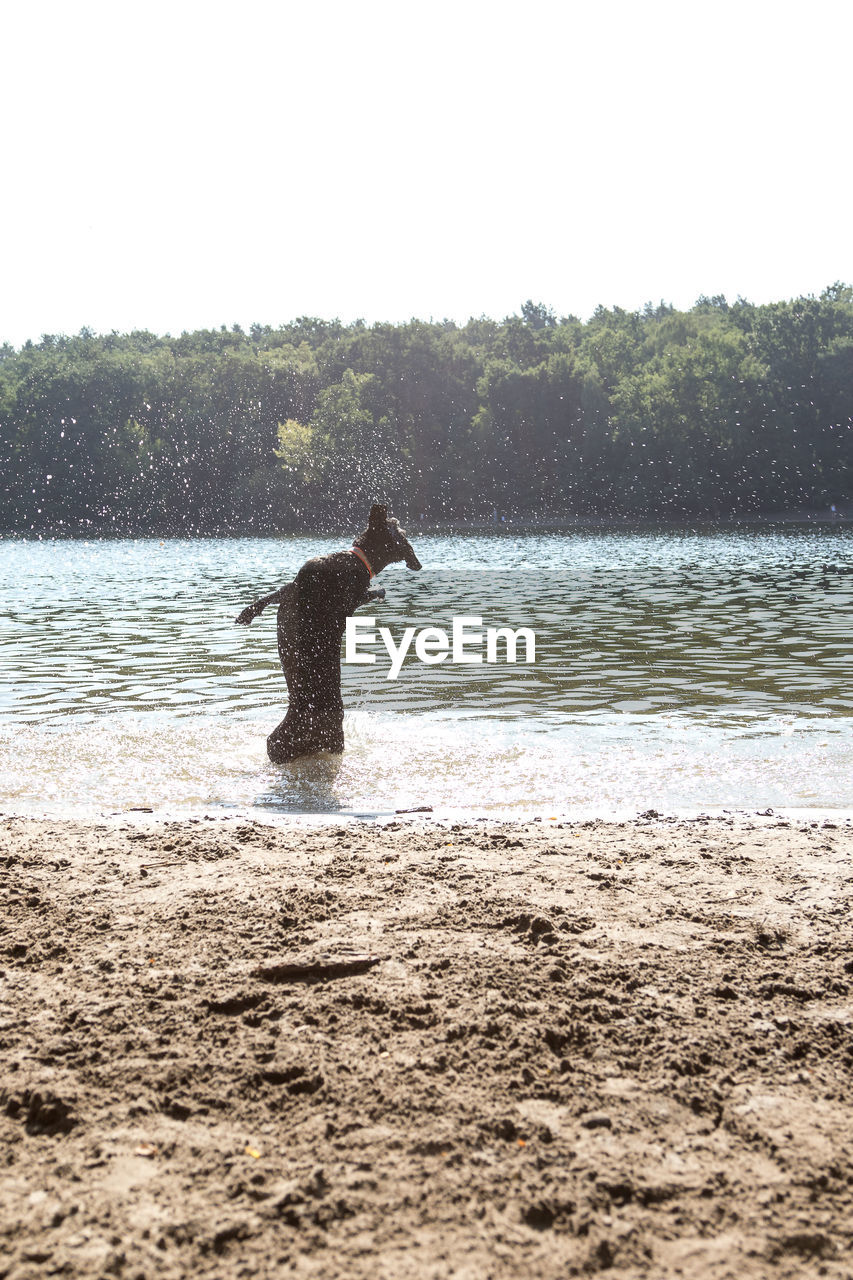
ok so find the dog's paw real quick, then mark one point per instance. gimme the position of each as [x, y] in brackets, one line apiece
[370, 597]
[248, 615]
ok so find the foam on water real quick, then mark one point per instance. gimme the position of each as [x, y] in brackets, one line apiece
[203, 764]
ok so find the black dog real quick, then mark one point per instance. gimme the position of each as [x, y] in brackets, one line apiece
[312, 614]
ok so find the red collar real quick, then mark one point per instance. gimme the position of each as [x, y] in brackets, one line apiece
[357, 551]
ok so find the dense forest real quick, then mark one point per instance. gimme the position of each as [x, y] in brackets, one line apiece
[729, 408]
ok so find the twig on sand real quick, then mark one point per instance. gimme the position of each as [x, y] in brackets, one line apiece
[309, 970]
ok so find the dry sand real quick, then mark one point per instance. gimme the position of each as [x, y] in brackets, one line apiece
[421, 1050]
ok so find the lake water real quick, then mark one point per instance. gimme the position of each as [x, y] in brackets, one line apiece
[685, 670]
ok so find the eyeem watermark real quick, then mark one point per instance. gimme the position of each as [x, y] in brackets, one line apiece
[434, 645]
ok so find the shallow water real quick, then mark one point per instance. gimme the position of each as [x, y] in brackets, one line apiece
[674, 670]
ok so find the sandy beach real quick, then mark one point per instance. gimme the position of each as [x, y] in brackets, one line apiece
[426, 1050]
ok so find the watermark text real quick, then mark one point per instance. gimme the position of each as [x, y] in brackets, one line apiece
[434, 645]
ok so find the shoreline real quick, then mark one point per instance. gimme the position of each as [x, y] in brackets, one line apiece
[270, 816]
[841, 519]
[426, 1047]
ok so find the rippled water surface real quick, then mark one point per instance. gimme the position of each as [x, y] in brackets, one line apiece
[673, 670]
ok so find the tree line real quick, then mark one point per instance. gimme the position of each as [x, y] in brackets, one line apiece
[728, 408]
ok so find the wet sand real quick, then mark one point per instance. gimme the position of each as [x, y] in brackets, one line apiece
[422, 1050]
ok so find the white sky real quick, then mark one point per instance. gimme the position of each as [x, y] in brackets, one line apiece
[181, 165]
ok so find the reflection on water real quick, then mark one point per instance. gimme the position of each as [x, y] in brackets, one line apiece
[673, 670]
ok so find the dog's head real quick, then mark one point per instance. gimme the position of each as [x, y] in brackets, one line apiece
[384, 542]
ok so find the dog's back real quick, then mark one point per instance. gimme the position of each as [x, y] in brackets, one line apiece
[286, 631]
[314, 608]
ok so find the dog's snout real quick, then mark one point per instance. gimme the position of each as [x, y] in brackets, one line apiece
[412, 561]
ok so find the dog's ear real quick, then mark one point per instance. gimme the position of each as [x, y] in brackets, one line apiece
[378, 516]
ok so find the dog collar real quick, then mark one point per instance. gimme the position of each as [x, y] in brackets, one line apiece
[357, 551]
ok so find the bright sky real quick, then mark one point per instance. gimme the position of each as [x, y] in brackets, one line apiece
[188, 164]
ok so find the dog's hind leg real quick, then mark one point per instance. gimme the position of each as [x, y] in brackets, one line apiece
[280, 746]
[304, 732]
